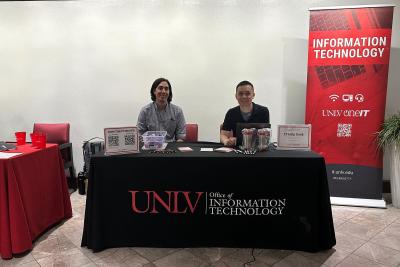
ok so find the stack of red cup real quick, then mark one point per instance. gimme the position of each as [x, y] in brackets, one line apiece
[21, 138]
[38, 139]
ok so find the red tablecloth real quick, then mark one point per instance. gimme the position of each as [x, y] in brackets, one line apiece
[33, 196]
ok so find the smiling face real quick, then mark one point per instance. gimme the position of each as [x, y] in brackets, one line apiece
[245, 95]
[162, 92]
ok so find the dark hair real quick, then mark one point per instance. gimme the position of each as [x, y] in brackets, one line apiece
[154, 86]
[242, 83]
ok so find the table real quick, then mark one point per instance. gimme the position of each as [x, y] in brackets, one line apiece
[33, 196]
[274, 199]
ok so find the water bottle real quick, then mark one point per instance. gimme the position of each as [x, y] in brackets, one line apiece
[81, 183]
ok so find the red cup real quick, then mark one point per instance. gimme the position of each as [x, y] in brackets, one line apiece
[34, 139]
[41, 140]
[21, 138]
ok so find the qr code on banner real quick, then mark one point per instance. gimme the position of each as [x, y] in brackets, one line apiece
[129, 140]
[113, 140]
[344, 130]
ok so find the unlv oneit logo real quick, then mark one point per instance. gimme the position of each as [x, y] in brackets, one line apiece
[165, 201]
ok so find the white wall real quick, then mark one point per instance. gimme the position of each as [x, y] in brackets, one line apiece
[91, 63]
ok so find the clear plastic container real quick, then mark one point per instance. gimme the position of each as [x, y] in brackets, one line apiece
[248, 140]
[264, 136]
[154, 139]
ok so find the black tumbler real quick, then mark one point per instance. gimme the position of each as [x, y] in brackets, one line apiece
[81, 183]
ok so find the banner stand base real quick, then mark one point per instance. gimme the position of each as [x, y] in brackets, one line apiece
[359, 202]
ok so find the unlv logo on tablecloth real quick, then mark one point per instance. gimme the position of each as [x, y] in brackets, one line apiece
[165, 201]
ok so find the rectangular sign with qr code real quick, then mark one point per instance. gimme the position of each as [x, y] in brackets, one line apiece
[294, 136]
[121, 140]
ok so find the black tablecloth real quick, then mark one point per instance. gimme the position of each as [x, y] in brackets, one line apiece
[274, 199]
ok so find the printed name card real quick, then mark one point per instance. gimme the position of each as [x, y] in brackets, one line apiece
[294, 136]
[121, 140]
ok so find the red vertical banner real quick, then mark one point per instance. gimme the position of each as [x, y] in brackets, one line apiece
[348, 61]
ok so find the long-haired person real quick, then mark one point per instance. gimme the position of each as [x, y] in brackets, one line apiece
[161, 114]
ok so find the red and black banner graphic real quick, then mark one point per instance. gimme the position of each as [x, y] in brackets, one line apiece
[203, 203]
[348, 61]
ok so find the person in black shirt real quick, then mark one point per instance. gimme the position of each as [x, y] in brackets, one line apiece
[247, 111]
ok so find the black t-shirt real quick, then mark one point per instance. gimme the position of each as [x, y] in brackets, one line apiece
[233, 116]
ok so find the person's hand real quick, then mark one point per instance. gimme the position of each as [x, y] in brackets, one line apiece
[231, 141]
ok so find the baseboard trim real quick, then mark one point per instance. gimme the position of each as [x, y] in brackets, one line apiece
[359, 202]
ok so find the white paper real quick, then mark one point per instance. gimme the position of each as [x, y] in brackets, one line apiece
[224, 149]
[184, 149]
[8, 155]
[206, 149]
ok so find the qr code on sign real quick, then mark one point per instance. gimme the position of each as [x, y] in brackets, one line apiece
[344, 130]
[129, 140]
[113, 140]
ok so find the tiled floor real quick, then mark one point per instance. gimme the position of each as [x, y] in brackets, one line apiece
[365, 237]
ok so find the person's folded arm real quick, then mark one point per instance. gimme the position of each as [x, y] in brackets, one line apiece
[226, 138]
[226, 134]
[180, 133]
[141, 122]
